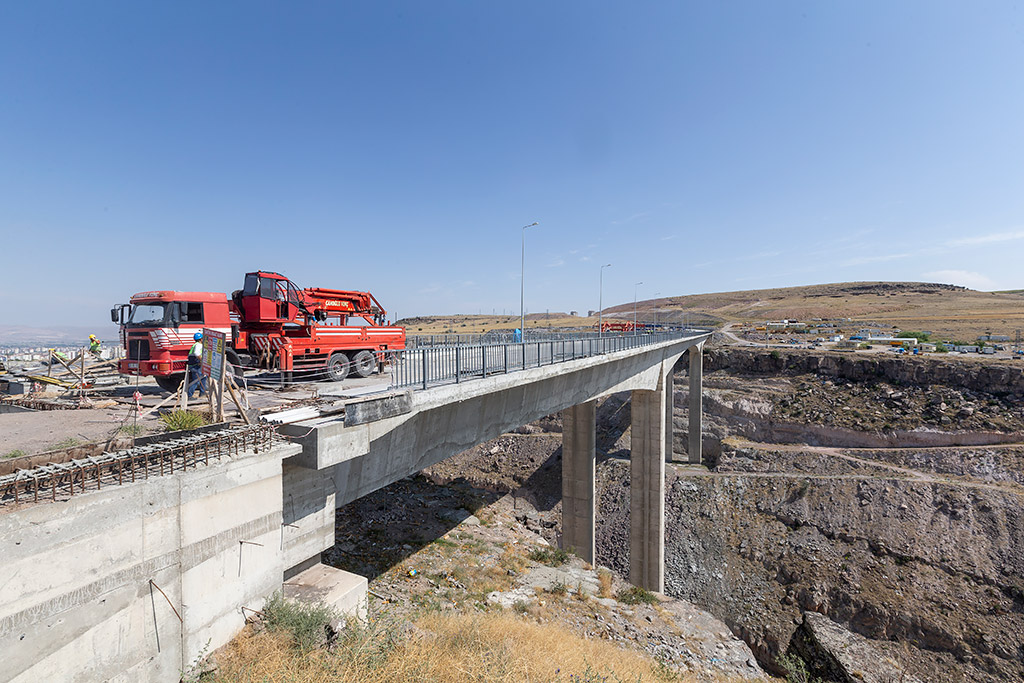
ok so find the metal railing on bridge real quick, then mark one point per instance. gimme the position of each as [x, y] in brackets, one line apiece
[425, 366]
[415, 341]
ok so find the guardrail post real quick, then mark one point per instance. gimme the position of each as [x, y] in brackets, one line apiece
[483, 360]
[458, 364]
[424, 354]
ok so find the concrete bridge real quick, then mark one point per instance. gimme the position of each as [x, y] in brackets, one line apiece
[133, 580]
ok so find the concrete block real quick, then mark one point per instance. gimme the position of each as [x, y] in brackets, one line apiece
[327, 442]
[321, 583]
[371, 410]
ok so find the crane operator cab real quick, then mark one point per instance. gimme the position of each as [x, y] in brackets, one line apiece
[270, 297]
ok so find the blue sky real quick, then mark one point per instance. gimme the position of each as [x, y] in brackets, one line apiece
[399, 147]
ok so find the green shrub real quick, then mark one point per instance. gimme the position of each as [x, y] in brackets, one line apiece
[635, 595]
[551, 556]
[182, 420]
[306, 623]
[558, 588]
[796, 670]
[16, 453]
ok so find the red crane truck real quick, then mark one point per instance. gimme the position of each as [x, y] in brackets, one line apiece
[270, 323]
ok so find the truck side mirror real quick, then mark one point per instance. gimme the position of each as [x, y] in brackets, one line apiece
[114, 317]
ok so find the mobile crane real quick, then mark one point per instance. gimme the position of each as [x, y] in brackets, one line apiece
[286, 328]
[270, 324]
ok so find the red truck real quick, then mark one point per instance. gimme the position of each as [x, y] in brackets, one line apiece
[270, 324]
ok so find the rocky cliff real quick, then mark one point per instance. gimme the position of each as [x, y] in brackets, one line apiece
[1005, 378]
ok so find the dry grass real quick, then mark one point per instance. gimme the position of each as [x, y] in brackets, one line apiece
[478, 324]
[604, 578]
[512, 559]
[949, 314]
[498, 648]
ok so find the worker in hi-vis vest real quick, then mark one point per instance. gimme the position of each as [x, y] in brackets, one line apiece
[195, 376]
[94, 345]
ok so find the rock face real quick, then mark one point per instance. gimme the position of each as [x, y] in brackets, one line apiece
[935, 565]
[818, 410]
[997, 378]
[834, 654]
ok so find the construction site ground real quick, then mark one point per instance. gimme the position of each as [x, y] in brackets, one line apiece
[110, 412]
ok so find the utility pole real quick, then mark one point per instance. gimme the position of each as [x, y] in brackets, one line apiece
[522, 285]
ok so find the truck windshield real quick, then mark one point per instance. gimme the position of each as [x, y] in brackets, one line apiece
[147, 315]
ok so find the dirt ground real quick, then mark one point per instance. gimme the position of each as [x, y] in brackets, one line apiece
[451, 547]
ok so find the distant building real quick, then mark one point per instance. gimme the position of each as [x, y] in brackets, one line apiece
[994, 338]
[906, 342]
[574, 313]
[786, 326]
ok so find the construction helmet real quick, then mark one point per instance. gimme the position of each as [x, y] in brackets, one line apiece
[197, 336]
[92, 336]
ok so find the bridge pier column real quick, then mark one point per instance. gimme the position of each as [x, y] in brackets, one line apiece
[669, 407]
[579, 425]
[696, 408]
[651, 434]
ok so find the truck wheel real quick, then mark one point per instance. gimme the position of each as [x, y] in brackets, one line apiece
[169, 382]
[337, 367]
[365, 363]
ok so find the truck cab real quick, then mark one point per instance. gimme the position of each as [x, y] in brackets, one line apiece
[157, 329]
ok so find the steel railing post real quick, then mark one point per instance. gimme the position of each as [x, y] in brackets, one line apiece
[505, 346]
[458, 364]
[424, 353]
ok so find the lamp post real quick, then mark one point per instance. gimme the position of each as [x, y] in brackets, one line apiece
[522, 286]
[634, 306]
[600, 303]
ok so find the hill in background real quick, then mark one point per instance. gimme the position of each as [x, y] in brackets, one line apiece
[946, 310]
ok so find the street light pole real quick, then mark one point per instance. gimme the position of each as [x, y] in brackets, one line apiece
[634, 306]
[522, 286]
[600, 303]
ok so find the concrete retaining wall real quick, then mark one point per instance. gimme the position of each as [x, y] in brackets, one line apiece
[80, 588]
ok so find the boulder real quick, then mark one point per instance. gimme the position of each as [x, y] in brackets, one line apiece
[835, 654]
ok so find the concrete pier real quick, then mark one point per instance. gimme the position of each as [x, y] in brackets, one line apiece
[696, 409]
[579, 425]
[651, 438]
